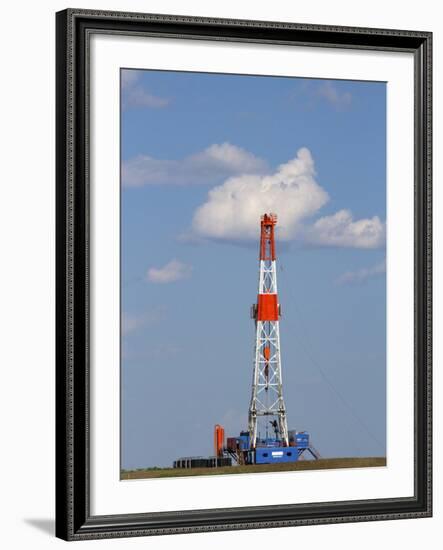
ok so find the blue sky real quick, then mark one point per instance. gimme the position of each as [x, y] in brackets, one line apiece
[203, 155]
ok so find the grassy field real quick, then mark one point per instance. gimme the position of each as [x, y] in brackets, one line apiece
[322, 464]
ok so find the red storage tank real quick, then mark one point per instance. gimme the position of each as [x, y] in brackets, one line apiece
[219, 440]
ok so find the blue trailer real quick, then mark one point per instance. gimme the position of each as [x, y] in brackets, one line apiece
[270, 450]
[274, 455]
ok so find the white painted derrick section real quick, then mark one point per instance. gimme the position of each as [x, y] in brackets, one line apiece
[267, 411]
[267, 283]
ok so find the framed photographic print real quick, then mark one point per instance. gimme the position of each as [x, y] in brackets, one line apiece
[243, 274]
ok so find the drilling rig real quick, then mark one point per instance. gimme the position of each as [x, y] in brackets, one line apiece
[267, 439]
[267, 392]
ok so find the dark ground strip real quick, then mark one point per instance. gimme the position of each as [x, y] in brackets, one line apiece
[321, 464]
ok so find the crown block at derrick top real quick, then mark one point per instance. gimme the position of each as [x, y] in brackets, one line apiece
[267, 243]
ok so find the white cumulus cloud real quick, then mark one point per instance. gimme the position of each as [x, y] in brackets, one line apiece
[363, 274]
[169, 273]
[135, 94]
[328, 91]
[232, 210]
[131, 322]
[208, 167]
[312, 94]
[341, 230]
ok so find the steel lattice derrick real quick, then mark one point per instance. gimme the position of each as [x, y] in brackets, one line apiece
[267, 391]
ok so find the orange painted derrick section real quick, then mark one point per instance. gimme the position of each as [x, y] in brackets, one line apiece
[267, 307]
[267, 243]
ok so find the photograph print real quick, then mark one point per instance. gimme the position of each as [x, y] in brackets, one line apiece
[253, 274]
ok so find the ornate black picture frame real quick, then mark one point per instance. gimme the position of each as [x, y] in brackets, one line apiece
[73, 517]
